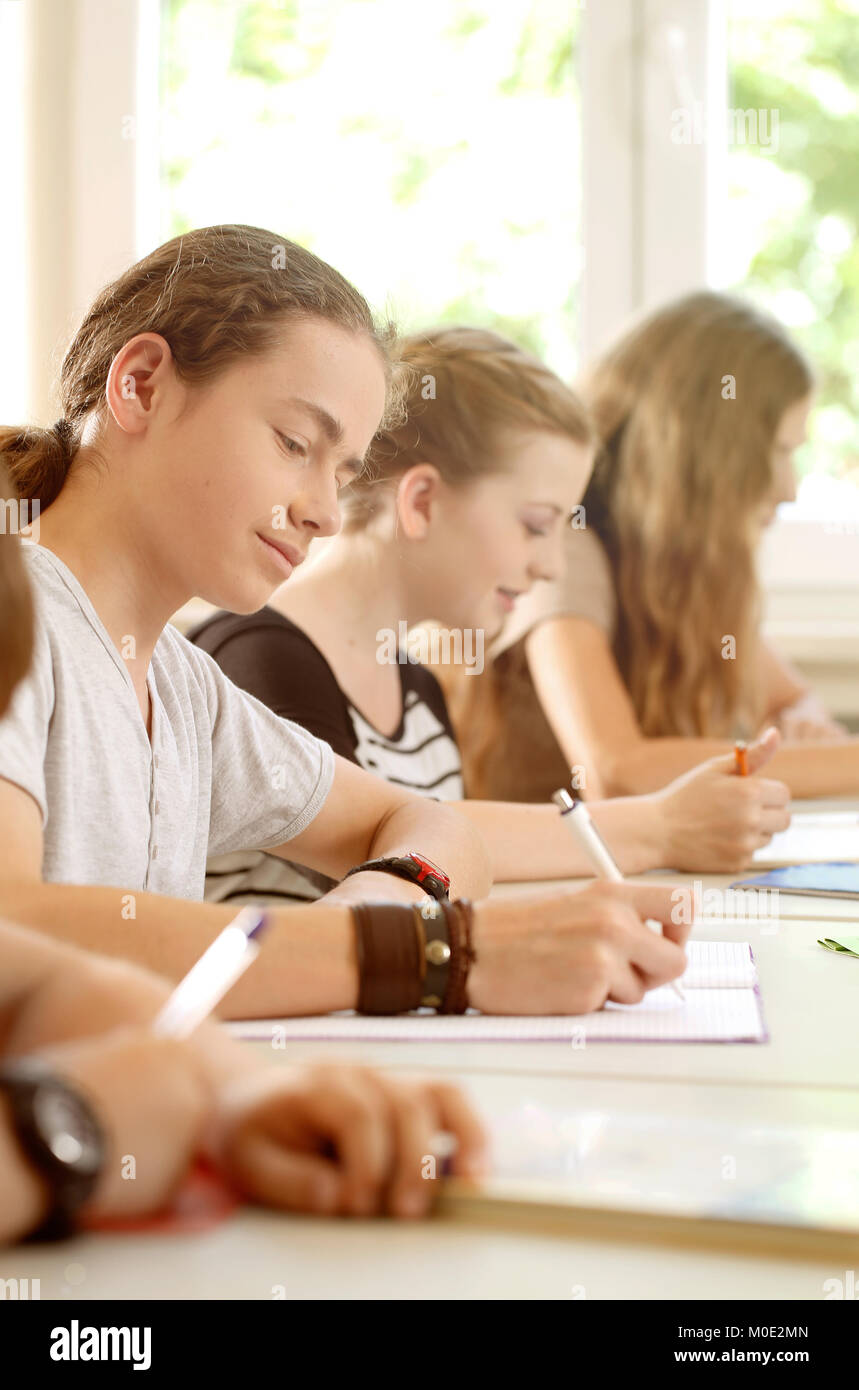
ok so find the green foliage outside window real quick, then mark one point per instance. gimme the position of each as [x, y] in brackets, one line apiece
[793, 217]
[431, 152]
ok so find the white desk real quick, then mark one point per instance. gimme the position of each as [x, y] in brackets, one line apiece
[254, 1252]
[808, 1073]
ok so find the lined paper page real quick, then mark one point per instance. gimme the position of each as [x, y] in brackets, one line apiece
[719, 965]
[815, 838]
[726, 1010]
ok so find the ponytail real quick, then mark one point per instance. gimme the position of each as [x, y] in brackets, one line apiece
[38, 460]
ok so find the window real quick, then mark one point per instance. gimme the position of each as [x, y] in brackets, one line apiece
[14, 344]
[791, 221]
[430, 152]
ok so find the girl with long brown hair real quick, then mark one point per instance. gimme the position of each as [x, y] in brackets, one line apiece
[465, 509]
[647, 655]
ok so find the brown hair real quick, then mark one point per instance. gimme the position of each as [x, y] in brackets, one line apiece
[688, 404]
[465, 387]
[216, 294]
[16, 604]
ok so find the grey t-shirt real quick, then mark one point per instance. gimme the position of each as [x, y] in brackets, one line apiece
[222, 772]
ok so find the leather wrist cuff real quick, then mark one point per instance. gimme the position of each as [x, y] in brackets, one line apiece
[413, 955]
[390, 964]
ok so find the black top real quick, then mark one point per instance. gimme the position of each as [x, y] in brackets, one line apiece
[271, 658]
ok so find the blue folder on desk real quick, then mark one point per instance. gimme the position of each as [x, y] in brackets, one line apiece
[815, 880]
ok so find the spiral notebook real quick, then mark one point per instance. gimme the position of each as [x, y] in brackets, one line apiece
[722, 1004]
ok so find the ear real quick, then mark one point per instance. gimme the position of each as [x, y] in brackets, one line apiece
[417, 494]
[138, 377]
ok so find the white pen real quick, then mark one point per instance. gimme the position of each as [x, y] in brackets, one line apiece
[217, 970]
[577, 816]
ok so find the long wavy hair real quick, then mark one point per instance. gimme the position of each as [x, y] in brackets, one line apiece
[687, 405]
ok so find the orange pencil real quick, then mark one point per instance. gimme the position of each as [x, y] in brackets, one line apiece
[741, 758]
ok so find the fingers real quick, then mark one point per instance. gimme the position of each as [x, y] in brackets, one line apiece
[658, 901]
[773, 819]
[353, 1142]
[657, 967]
[771, 792]
[627, 986]
[631, 959]
[764, 811]
[287, 1178]
[419, 1113]
[411, 1189]
[350, 1108]
[759, 753]
[457, 1117]
[621, 926]
[655, 958]
[646, 899]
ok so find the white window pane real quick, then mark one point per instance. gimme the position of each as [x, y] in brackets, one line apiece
[14, 344]
[429, 152]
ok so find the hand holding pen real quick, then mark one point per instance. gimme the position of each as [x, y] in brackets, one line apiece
[577, 817]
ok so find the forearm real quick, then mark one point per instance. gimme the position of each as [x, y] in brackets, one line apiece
[533, 842]
[649, 764]
[826, 768]
[810, 769]
[364, 817]
[444, 835]
[306, 965]
[84, 996]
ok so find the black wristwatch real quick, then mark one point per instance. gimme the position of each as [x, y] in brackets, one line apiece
[61, 1136]
[415, 868]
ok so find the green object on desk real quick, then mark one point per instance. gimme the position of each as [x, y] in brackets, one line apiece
[847, 945]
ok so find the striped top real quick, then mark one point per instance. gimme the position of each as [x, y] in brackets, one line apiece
[275, 660]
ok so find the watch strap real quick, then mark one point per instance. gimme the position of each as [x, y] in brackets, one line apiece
[402, 868]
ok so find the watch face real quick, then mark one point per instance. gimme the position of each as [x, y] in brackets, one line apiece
[66, 1129]
[427, 869]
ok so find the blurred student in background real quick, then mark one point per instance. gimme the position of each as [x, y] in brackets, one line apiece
[646, 654]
